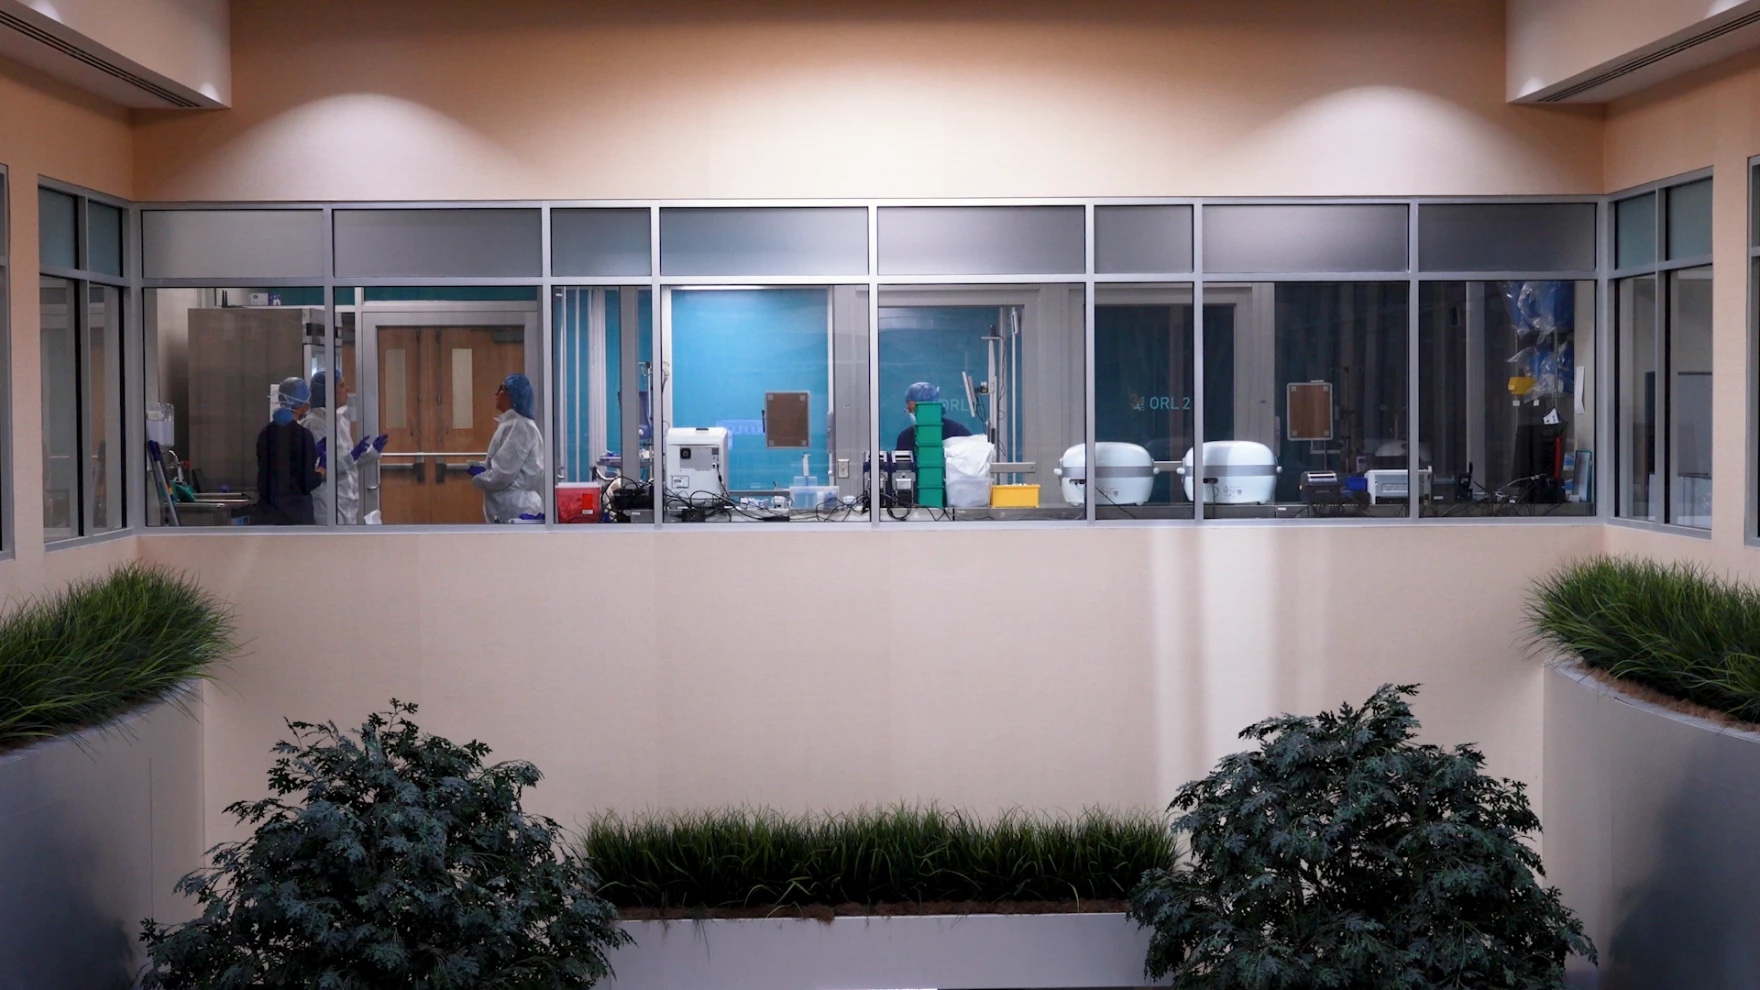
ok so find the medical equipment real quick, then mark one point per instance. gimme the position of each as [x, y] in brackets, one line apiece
[696, 462]
[1392, 485]
[1124, 473]
[1321, 488]
[1236, 472]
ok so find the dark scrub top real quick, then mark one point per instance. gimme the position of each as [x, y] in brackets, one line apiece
[287, 474]
[949, 428]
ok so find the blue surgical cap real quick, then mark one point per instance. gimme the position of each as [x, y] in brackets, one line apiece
[922, 392]
[321, 389]
[519, 392]
[294, 393]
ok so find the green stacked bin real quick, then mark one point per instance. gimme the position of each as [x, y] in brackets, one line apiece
[931, 457]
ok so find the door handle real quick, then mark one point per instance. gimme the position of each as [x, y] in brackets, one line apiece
[421, 469]
[439, 471]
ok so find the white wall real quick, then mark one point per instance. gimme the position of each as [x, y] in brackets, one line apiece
[987, 668]
[1044, 667]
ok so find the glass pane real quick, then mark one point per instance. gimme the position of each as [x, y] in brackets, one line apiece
[1006, 365]
[437, 429]
[1131, 239]
[1689, 405]
[1639, 495]
[1304, 238]
[764, 241]
[60, 409]
[982, 240]
[1689, 220]
[439, 243]
[1506, 237]
[600, 242]
[222, 244]
[1144, 373]
[766, 409]
[1506, 425]
[215, 361]
[104, 245]
[598, 417]
[1305, 400]
[1635, 228]
[57, 229]
[104, 481]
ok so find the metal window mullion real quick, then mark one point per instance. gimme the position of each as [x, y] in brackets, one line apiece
[1414, 490]
[1091, 472]
[77, 322]
[1607, 425]
[659, 385]
[873, 472]
[1199, 370]
[332, 355]
[548, 394]
[1664, 334]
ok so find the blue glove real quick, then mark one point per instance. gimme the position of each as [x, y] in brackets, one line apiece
[360, 450]
[379, 442]
[476, 469]
[323, 452]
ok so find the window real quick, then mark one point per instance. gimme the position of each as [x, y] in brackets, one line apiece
[605, 389]
[1006, 365]
[216, 358]
[1663, 352]
[765, 413]
[1144, 401]
[1506, 424]
[1305, 401]
[84, 368]
[425, 372]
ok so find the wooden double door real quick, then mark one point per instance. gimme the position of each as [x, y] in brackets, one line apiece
[434, 397]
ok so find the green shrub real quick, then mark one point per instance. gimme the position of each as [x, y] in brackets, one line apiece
[405, 862]
[1341, 854]
[102, 647]
[1675, 628]
[758, 858]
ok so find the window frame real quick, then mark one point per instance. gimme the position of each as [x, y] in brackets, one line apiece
[1661, 266]
[131, 409]
[551, 282]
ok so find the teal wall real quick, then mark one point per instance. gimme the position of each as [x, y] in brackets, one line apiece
[729, 347]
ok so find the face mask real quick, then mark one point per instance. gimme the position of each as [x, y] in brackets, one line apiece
[913, 417]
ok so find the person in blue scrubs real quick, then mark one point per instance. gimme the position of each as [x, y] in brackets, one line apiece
[925, 392]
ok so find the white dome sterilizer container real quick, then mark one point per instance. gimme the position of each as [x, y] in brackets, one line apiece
[1125, 473]
[1236, 472]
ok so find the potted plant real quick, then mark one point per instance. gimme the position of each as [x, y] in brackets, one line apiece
[1653, 763]
[100, 765]
[906, 895]
[395, 859]
[1342, 854]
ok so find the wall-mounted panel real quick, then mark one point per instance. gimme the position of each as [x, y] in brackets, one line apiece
[1131, 240]
[492, 243]
[982, 240]
[1506, 237]
[1366, 237]
[764, 241]
[226, 244]
[614, 243]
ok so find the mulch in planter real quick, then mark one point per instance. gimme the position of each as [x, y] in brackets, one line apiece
[826, 912]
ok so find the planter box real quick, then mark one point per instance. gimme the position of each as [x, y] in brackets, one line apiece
[1652, 822]
[94, 830]
[971, 952]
